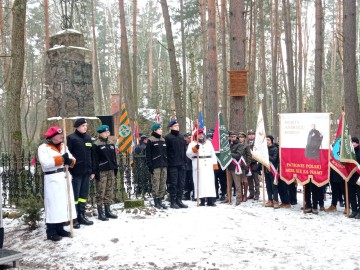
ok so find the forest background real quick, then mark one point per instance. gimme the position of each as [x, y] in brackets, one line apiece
[175, 56]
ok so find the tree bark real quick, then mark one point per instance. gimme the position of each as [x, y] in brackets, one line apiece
[183, 55]
[13, 93]
[350, 88]
[300, 55]
[274, 70]
[97, 86]
[46, 23]
[125, 65]
[319, 51]
[289, 57]
[173, 67]
[135, 57]
[201, 95]
[237, 61]
[224, 62]
[212, 98]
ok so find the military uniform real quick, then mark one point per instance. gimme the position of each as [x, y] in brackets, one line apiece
[253, 179]
[106, 170]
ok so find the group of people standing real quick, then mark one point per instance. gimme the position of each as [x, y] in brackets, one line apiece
[86, 160]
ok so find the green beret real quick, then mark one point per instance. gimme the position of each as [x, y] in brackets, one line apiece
[103, 128]
[155, 126]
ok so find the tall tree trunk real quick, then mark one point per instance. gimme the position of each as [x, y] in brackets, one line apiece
[319, 51]
[237, 60]
[212, 69]
[136, 103]
[2, 47]
[13, 93]
[173, 66]
[183, 55]
[351, 96]
[252, 64]
[46, 22]
[274, 69]
[97, 86]
[202, 11]
[125, 65]
[262, 65]
[289, 57]
[150, 66]
[300, 55]
[224, 62]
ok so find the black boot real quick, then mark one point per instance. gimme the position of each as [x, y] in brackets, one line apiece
[202, 202]
[82, 219]
[211, 202]
[76, 224]
[51, 232]
[101, 214]
[60, 230]
[156, 203]
[180, 204]
[163, 206]
[173, 204]
[108, 212]
[187, 196]
[353, 214]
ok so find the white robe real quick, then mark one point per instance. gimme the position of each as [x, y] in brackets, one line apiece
[207, 161]
[55, 187]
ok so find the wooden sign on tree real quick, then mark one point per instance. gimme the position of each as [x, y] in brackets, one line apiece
[238, 83]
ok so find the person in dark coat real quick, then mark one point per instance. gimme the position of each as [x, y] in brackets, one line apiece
[143, 177]
[354, 189]
[253, 179]
[156, 160]
[176, 153]
[271, 187]
[314, 141]
[81, 146]
[336, 182]
[189, 184]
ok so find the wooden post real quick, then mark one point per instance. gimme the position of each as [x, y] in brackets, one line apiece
[68, 184]
[197, 165]
[263, 184]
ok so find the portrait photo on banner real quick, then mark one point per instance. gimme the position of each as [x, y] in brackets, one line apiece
[304, 147]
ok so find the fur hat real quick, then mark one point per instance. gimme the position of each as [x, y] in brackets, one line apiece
[79, 122]
[52, 131]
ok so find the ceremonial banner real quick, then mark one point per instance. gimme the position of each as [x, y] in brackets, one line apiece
[304, 147]
[260, 150]
[216, 137]
[224, 156]
[345, 170]
[124, 142]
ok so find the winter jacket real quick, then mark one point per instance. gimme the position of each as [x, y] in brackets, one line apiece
[239, 150]
[105, 155]
[273, 156]
[355, 176]
[81, 147]
[176, 149]
[156, 154]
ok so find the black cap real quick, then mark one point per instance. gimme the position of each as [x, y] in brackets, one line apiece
[251, 131]
[79, 122]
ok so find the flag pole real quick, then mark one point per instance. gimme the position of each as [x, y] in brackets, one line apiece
[263, 184]
[346, 199]
[68, 181]
[197, 165]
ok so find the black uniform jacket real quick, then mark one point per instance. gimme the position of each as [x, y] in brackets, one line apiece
[81, 147]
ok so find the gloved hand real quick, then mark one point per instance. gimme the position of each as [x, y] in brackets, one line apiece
[197, 146]
[66, 159]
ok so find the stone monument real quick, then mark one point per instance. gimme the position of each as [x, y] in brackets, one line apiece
[68, 72]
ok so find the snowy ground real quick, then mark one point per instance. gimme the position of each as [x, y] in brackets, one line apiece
[224, 237]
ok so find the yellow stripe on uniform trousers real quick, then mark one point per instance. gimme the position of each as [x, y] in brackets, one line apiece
[125, 135]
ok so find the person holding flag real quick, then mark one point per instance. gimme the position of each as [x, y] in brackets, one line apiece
[203, 150]
[270, 178]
